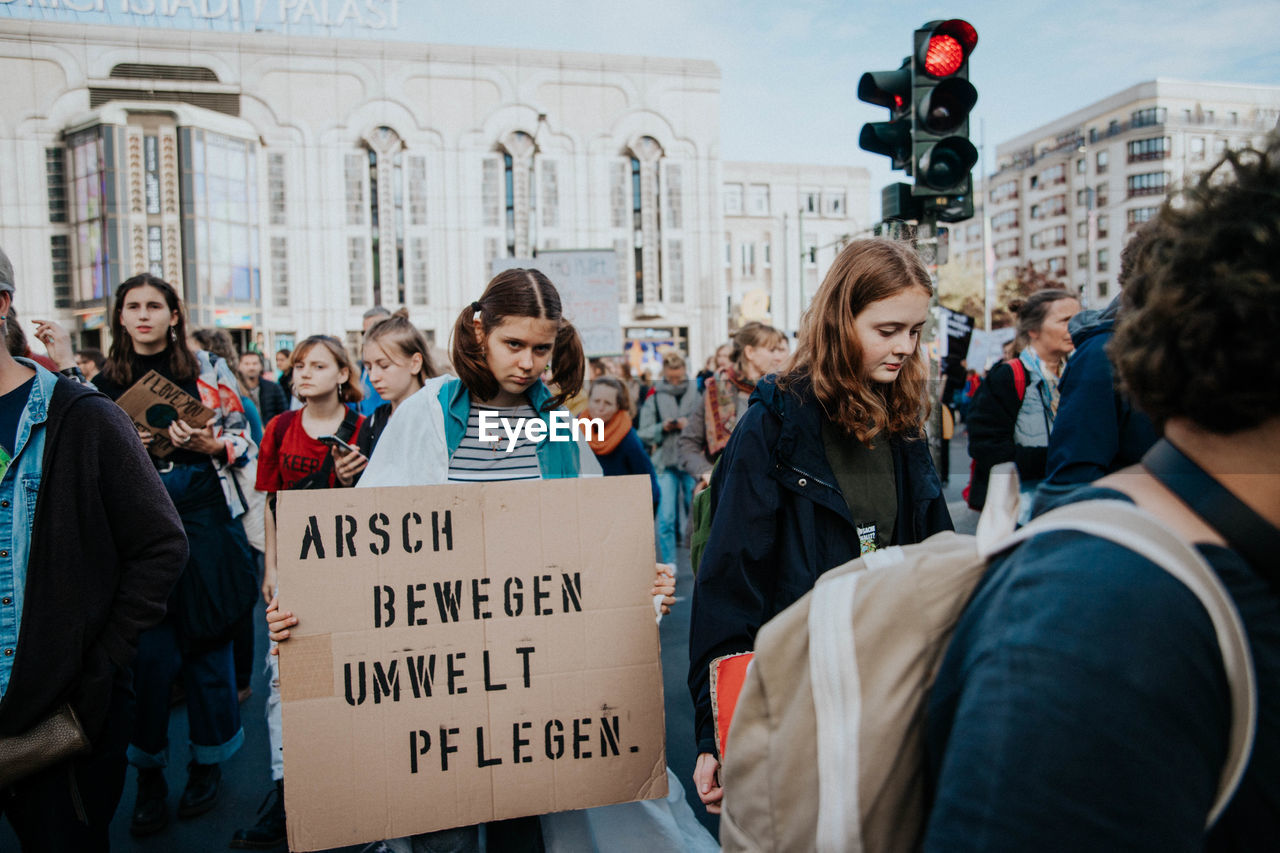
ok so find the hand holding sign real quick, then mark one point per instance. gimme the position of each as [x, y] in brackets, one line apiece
[155, 403]
[195, 439]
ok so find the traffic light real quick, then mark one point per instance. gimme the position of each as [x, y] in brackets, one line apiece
[891, 89]
[942, 98]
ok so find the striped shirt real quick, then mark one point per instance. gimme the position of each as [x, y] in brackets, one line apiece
[477, 461]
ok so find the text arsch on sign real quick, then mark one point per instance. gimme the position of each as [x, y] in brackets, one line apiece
[466, 653]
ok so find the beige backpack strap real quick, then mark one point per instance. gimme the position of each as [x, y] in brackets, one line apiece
[1132, 528]
[837, 703]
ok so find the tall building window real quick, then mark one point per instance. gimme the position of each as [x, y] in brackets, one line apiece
[386, 214]
[758, 200]
[509, 199]
[675, 197]
[151, 165]
[356, 271]
[276, 188]
[646, 161]
[550, 193]
[89, 275]
[1148, 183]
[1104, 259]
[1148, 116]
[60, 258]
[1138, 215]
[675, 269]
[733, 199]
[155, 251]
[1155, 148]
[56, 183]
[280, 272]
[1100, 161]
[508, 195]
[417, 191]
[833, 203]
[353, 174]
[637, 228]
[419, 267]
[221, 218]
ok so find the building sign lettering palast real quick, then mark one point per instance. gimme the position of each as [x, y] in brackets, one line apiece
[340, 14]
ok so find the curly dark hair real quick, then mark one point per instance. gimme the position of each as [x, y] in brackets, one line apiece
[1200, 315]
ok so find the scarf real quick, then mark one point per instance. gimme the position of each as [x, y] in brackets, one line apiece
[1050, 379]
[614, 431]
[721, 396]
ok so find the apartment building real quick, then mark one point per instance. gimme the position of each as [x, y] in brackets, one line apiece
[1066, 196]
[784, 224]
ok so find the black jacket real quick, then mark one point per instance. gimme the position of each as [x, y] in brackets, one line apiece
[780, 521]
[106, 547]
[993, 417]
[272, 400]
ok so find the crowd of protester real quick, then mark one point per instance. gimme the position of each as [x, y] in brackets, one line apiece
[1081, 705]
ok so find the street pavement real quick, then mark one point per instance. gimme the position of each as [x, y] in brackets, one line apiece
[247, 777]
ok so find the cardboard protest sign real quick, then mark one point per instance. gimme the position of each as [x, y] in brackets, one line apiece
[466, 653]
[154, 402]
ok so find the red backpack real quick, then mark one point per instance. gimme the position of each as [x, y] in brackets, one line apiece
[1019, 385]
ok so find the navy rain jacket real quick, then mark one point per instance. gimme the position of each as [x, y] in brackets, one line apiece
[780, 521]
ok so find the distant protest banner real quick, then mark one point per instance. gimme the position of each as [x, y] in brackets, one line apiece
[466, 653]
[154, 402]
[587, 281]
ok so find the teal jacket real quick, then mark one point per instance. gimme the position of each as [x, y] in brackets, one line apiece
[556, 459]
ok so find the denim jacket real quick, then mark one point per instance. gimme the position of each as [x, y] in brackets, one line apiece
[18, 492]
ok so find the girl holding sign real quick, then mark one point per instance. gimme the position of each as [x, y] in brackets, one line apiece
[148, 333]
[828, 462]
[294, 457]
[501, 345]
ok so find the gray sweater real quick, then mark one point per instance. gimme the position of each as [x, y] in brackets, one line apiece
[667, 402]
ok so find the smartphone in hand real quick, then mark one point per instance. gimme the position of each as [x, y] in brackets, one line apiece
[337, 444]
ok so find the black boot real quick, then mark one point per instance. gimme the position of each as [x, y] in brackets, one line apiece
[201, 793]
[269, 832]
[150, 814]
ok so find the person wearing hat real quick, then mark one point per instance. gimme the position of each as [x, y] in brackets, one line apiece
[79, 581]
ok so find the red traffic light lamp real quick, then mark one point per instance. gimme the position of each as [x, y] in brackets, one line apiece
[942, 98]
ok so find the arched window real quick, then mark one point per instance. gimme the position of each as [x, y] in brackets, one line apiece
[652, 248]
[507, 197]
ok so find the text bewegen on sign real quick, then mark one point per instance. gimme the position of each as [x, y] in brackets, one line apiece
[466, 653]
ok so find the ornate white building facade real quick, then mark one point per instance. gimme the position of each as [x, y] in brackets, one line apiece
[287, 184]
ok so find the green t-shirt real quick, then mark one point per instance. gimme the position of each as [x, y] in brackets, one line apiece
[866, 479]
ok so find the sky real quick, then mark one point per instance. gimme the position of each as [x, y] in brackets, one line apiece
[789, 70]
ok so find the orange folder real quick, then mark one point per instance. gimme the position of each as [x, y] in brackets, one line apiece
[728, 674]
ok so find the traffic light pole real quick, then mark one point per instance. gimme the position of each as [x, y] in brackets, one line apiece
[927, 247]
